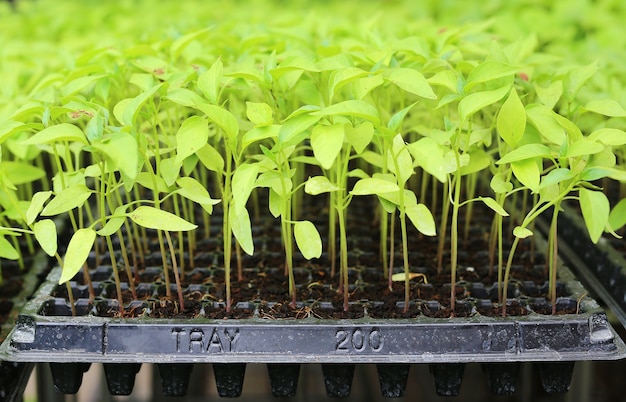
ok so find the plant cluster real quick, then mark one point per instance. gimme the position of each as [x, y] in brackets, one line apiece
[429, 119]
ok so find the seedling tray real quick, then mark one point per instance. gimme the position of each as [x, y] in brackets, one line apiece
[71, 343]
[14, 375]
[601, 266]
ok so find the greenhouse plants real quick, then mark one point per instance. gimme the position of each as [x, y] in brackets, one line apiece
[173, 161]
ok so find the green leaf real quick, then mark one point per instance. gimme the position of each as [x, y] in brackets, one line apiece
[46, 235]
[369, 186]
[121, 150]
[68, 199]
[294, 126]
[578, 76]
[225, 120]
[609, 136]
[545, 122]
[154, 183]
[131, 108]
[555, 177]
[318, 185]
[360, 136]
[211, 158]
[395, 122]
[364, 85]
[191, 189]
[327, 142]
[243, 183]
[259, 134]
[7, 250]
[421, 217]
[242, 229]
[525, 152]
[472, 103]
[511, 120]
[401, 158]
[209, 81]
[583, 147]
[341, 77]
[491, 203]
[606, 107]
[169, 169]
[411, 81]
[617, 217]
[488, 71]
[57, 133]
[308, 239]
[19, 173]
[499, 185]
[154, 218]
[356, 108]
[77, 252]
[275, 203]
[429, 155]
[259, 113]
[115, 222]
[527, 172]
[550, 95]
[595, 208]
[522, 232]
[192, 135]
[36, 205]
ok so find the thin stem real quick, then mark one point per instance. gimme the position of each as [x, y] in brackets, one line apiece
[179, 289]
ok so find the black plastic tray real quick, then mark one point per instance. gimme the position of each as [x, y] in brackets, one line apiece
[600, 266]
[14, 375]
[72, 343]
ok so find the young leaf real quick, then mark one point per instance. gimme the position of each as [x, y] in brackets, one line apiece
[192, 135]
[371, 186]
[401, 158]
[395, 122]
[550, 95]
[472, 103]
[68, 199]
[527, 172]
[544, 121]
[259, 133]
[293, 127]
[609, 136]
[488, 71]
[528, 151]
[606, 107]
[121, 150]
[511, 120]
[422, 218]
[59, 132]
[154, 218]
[555, 176]
[242, 229]
[7, 250]
[77, 252]
[429, 155]
[211, 158]
[243, 182]
[308, 239]
[259, 113]
[115, 222]
[356, 108]
[318, 185]
[19, 172]
[583, 147]
[617, 217]
[209, 81]
[191, 189]
[326, 142]
[491, 203]
[36, 205]
[360, 136]
[522, 232]
[46, 235]
[411, 81]
[595, 208]
[499, 185]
